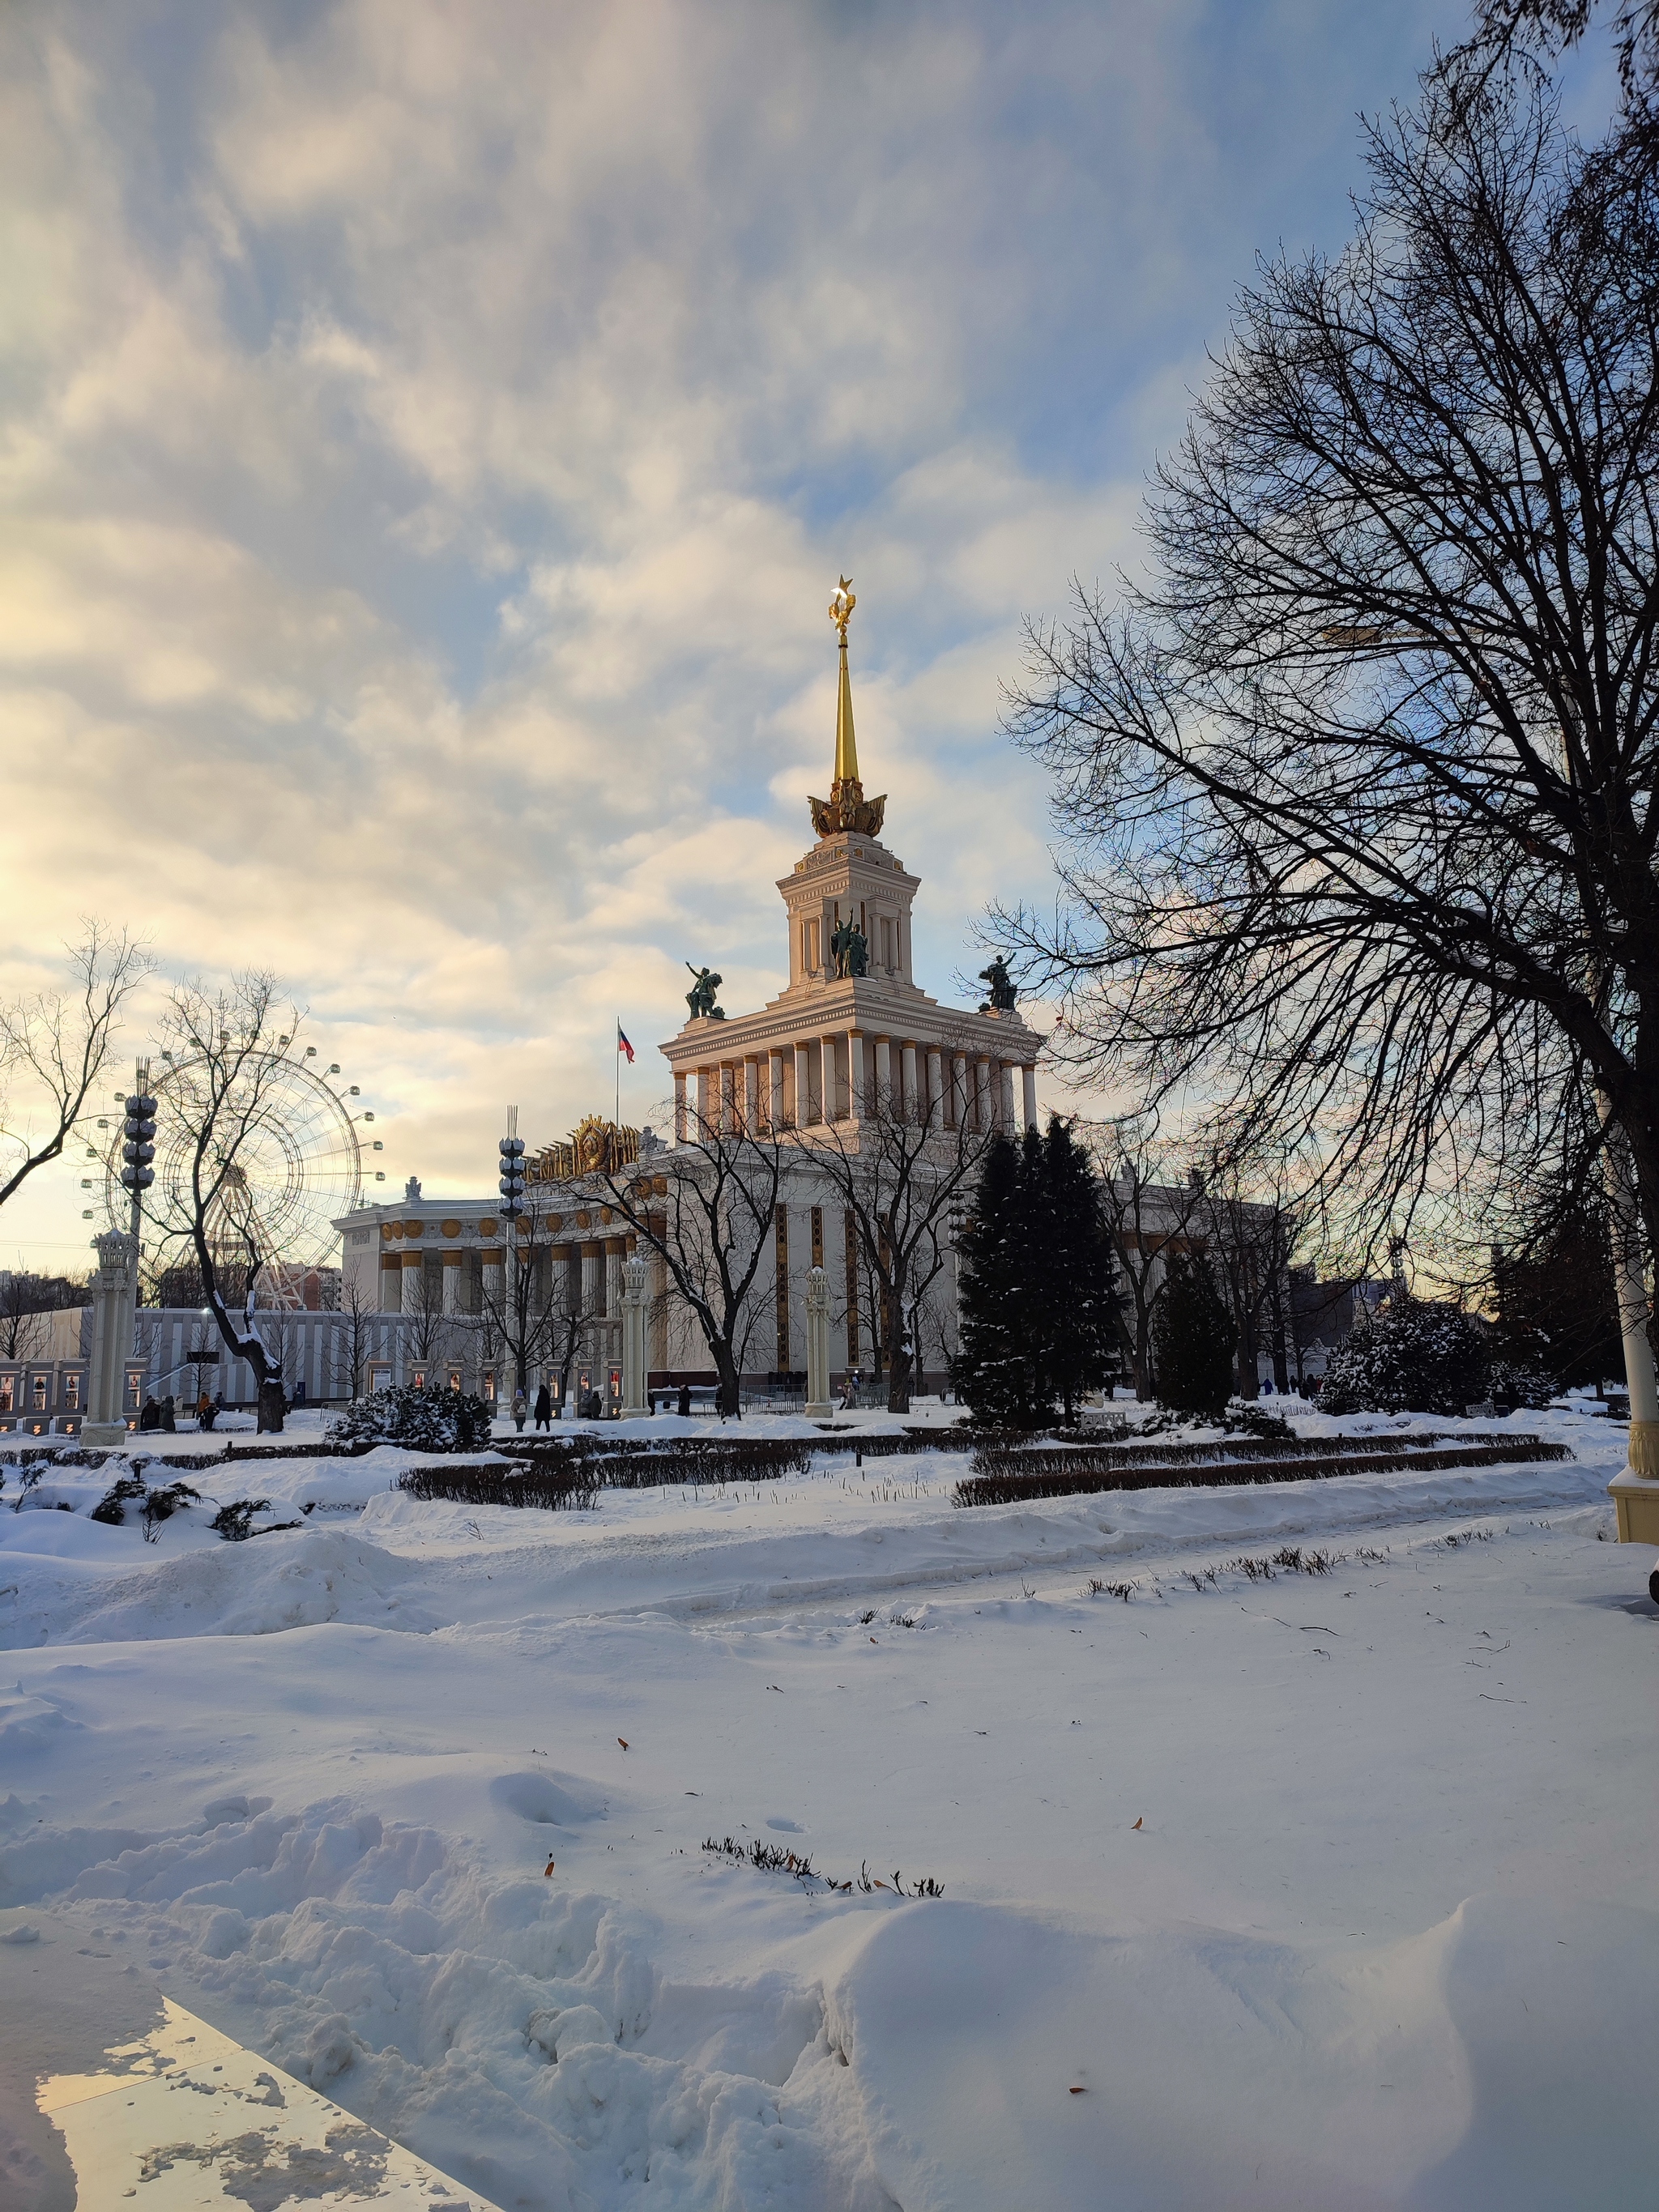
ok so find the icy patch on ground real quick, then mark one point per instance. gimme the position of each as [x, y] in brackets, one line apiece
[515, 2033]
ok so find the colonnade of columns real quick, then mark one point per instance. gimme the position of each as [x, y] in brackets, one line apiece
[841, 1075]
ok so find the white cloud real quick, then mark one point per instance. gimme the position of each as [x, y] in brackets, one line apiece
[430, 435]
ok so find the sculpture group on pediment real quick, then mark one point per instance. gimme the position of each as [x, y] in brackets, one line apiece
[700, 997]
[850, 949]
[1003, 997]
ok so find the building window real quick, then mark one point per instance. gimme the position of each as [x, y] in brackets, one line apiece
[817, 1236]
[7, 1393]
[489, 1385]
[782, 1233]
[419, 1378]
[454, 1378]
[72, 1391]
[39, 1394]
[379, 1378]
[134, 1389]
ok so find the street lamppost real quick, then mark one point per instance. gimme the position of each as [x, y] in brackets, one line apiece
[512, 1189]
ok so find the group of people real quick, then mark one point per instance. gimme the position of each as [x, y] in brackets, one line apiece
[590, 1408]
[164, 1414]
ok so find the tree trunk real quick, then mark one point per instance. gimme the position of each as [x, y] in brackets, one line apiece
[730, 1383]
[273, 1405]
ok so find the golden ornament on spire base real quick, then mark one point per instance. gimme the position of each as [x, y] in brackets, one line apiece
[847, 809]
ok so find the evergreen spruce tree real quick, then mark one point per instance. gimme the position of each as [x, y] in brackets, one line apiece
[1193, 1338]
[1039, 1319]
[992, 1368]
[1074, 1302]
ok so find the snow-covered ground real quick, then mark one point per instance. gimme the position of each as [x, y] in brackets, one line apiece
[1327, 1890]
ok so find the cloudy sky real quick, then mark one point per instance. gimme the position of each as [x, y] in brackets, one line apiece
[432, 429]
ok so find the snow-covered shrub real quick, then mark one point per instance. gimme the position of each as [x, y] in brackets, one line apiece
[1411, 1358]
[423, 1420]
[111, 1508]
[1509, 1382]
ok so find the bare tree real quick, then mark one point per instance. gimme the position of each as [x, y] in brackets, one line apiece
[901, 1168]
[711, 1224]
[55, 1045]
[1150, 1222]
[1359, 788]
[351, 1340]
[531, 1325]
[227, 1063]
[427, 1328]
[26, 1305]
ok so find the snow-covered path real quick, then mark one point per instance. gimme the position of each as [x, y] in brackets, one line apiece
[1383, 1934]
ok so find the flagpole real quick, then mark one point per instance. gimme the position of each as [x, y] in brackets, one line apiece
[617, 1020]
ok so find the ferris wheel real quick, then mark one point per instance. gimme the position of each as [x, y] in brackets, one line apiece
[298, 1162]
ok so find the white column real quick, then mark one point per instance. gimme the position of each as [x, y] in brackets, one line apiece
[858, 1095]
[616, 1252]
[751, 1094]
[707, 1101]
[828, 1079]
[888, 1102]
[679, 1107]
[912, 1104]
[1005, 1094]
[115, 1287]
[983, 1093]
[817, 1407]
[803, 1085]
[958, 1090]
[592, 1278]
[492, 1280]
[1028, 1076]
[391, 1283]
[634, 1404]
[935, 1102]
[728, 1097]
[775, 1089]
[452, 1282]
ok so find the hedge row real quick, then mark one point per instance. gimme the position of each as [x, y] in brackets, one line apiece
[1105, 1459]
[573, 1489]
[1074, 1481]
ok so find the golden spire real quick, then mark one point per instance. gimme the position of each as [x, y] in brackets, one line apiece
[846, 808]
[847, 749]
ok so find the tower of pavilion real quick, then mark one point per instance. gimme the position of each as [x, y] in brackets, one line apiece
[835, 1046]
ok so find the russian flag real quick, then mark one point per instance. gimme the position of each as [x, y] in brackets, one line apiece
[623, 1045]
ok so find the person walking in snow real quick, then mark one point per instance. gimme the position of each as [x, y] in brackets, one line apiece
[685, 1401]
[543, 1406]
[517, 1411]
[205, 1413]
[149, 1416]
[169, 1417]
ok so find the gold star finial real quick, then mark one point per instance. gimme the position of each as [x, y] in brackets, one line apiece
[841, 606]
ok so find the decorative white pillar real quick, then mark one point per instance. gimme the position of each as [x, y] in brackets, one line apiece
[803, 1085]
[707, 1101]
[751, 1114]
[1005, 1095]
[909, 1106]
[452, 1281]
[857, 1098]
[679, 1108]
[817, 1407]
[958, 1090]
[115, 1302]
[934, 1108]
[886, 1102]
[592, 1279]
[493, 1281]
[728, 1080]
[829, 1080]
[1028, 1076]
[391, 1283]
[634, 1404]
[982, 1093]
[775, 1089]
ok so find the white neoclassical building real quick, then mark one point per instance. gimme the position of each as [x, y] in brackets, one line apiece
[851, 1033]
